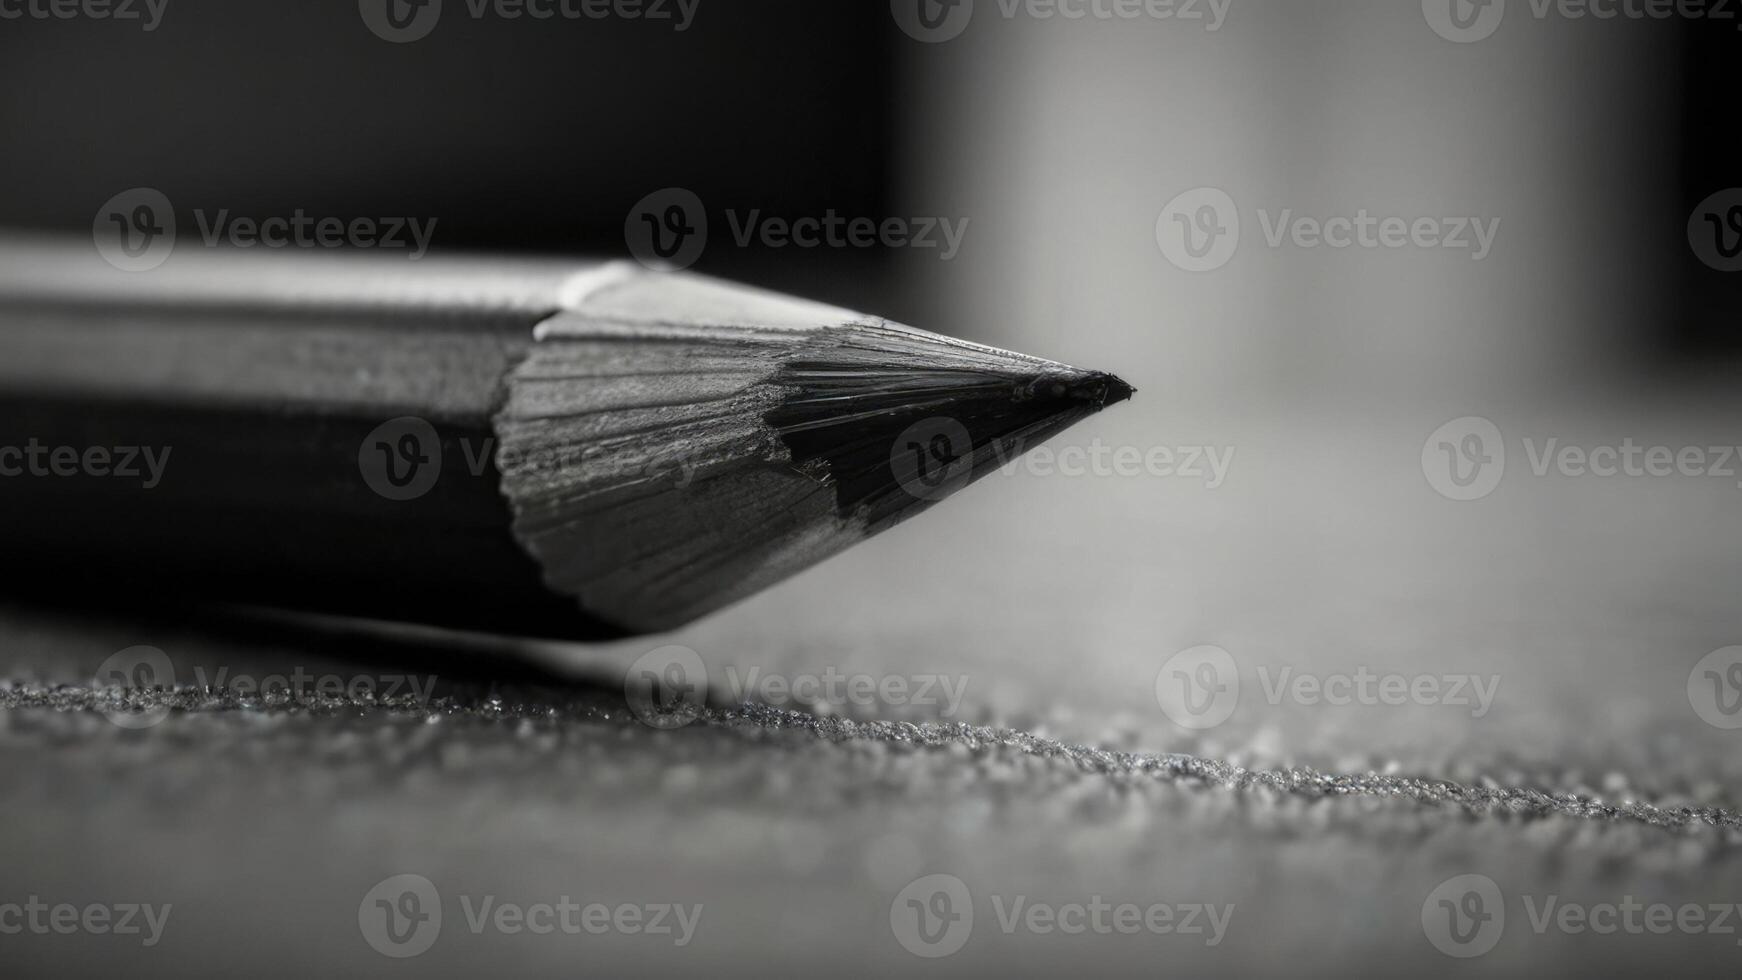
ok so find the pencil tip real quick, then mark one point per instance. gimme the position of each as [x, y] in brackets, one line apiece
[896, 433]
[792, 441]
[1098, 388]
[1117, 391]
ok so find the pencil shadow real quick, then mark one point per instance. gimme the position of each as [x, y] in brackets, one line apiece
[270, 639]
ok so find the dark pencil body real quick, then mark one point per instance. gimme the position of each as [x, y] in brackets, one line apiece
[244, 497]
[530, 449]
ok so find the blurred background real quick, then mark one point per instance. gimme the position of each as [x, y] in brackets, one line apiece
[1598, 156]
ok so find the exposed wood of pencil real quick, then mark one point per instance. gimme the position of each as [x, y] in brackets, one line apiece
[619, 450]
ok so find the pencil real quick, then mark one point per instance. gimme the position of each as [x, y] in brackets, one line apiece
[539, 448]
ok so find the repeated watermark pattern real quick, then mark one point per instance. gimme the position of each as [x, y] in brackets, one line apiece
[35, 917]
[1466, 916]
[668, 230]
[403, 459]
[668, 687]
[1468, 21]
[145, 14]
[147, 668]
[144, 464]
[1485, 798]
[301, 230]
[135, 231]
[934, 458]
[1715, 230]
[936, 21]
[1715, 688]
[934, 917]
[1200, 687]
[835, 688]
[404, 21]
[1199, 230]
[1207, 464]
[136, 668]
[1466, 458]
[401, 917]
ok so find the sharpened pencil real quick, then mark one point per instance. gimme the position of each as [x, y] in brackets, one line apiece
[537, 448]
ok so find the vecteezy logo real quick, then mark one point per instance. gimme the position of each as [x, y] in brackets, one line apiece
[932, 21]
[1715, 688]
[138, 669]
[1464, 21]
[667, 230]
[1198, 688]
[1464, 459]
[666, 687]
[400, 21]
[401, 459]
[1199, 230]
[1715, 230]
[134, 231]
[932, 458]
[1464, 916]
[401, 916]
[933, 916]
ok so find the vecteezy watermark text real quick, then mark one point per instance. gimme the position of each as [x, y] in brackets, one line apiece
[1210, 464]
[1468, 21]
[835, 688]
[34, 459]
[146, 13]
[39, 918]
[933, 917]
[140, 669]
[135, 231]
[1466, 916]
[299, 682]
[403, 459]
[403, 21]
[401, 917]
[1200, 229]
[1466, 458]
[301, 230]
[566, 916]
[668, 229]
[1366, 687]
[934, 21]
[667, 687]
[934, 457]
[1200, 687]
[835, 231]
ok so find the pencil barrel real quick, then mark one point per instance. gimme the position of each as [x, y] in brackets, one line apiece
[127, 482]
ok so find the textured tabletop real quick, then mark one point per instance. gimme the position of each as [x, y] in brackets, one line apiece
[1017, 744]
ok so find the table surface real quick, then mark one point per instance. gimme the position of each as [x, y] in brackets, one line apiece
[1049, 604]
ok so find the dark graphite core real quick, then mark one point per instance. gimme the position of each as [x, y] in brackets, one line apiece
[858, 432]
[1096, 387]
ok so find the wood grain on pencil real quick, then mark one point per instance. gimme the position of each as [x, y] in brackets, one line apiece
[619, 450]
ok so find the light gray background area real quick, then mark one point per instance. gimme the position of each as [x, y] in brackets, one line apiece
[1055, 600]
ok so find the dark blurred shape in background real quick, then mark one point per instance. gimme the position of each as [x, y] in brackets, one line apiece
[1711, 159]
[520, 135]
[534, 135]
